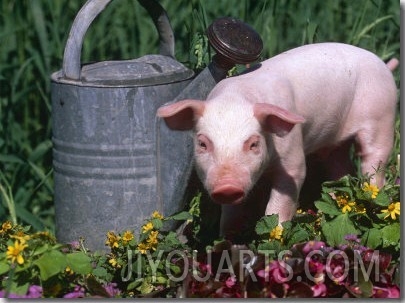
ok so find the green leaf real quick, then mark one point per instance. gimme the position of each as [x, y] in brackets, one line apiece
[304, 218]
[18, 288]
[50, 264]
[10, 159]
[364, 285]
[100, 272]
[28, 217]
[39, 152]
[269, 246]
[391, 234]
[372, 238]
[266, 224]
[327, 208]
[174, 269]
[41, 249]
[382, 199]
[181, 216]
[161, 280]
[79, 262]
[135, 284]
[4, 267]
[195, 206]
[298, 235]
[311, 30]
[326, 197]
[336, 229]
[157, 223]
[146, 287]
[342, 182]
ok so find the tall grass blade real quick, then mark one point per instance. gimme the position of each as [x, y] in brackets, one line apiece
[368, 28]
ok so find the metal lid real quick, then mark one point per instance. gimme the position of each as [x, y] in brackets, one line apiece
[148, 70]
[235, 40]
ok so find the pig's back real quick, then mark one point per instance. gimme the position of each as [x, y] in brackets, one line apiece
[332, 70]
[331, 83]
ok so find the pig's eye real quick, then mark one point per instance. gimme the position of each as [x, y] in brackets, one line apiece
[254, 145]
[204, 144]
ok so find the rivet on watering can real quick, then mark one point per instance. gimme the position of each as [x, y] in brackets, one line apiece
[234, 41]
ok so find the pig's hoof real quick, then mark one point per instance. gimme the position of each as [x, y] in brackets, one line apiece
[228, 194]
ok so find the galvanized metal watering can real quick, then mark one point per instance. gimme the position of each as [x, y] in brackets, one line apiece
[114, 161]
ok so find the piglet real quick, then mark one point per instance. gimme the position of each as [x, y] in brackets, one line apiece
[263, 123]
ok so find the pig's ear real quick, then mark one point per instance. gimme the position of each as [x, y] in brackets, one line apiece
[275, 119]
[181, 115]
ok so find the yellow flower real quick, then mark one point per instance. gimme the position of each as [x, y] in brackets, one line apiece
[392, 210]
[128, 236]
[348, 207]
[114, 263]
[373, 189]
[21, 237]
[69, 271]
[112, 239]
[276, 233]
[157, 215]
[147, 227]
[152, 240]
[143, 248]
[14, 253]
[344, 203]
[153, 234]
[5, 227]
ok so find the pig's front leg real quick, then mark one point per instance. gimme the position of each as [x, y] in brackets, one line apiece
[287, 179]
[284, 197]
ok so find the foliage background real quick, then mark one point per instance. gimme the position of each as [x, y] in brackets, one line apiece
[33, 34]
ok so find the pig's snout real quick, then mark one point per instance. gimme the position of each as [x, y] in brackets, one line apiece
[228, 192]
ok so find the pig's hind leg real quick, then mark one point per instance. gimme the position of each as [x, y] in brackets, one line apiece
[374, 146]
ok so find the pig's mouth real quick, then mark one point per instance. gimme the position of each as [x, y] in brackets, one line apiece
[228, 194]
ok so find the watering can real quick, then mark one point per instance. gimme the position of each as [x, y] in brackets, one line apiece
[114, 161]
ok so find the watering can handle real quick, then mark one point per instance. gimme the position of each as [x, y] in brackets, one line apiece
[71, 59]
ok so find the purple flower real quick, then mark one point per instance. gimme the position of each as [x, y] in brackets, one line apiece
[352, 238]
[112, 289]
[276, 272]
[230, 281]
[313, 245]
[75, 245]
[319, 290]
[314, 266]
[390, 291]
[34, 291]
[78, 292]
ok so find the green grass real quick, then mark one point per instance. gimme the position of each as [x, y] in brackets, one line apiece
[33, 34]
